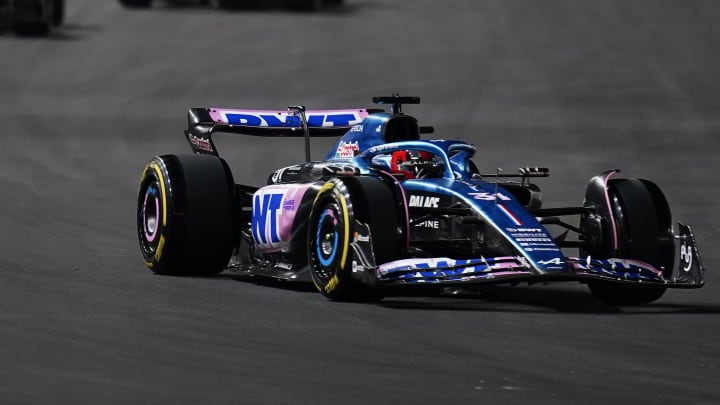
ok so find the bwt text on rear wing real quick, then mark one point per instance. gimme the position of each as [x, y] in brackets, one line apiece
[293, 122]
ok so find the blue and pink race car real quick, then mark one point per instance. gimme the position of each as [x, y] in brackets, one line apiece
[387, 210]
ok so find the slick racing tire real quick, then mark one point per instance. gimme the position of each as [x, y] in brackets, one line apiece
[184, 215]
[331, 232]
[644, 231]
[31, 28]
[58, 14]
[136, 3]
[233, 4]
[304, 5]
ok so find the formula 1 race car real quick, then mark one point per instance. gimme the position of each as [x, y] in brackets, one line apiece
[308, 5]
[386, 210]
[32, 17]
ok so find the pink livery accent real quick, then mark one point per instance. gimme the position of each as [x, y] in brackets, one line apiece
[274, 210]
[610, 211]
[424, 264]
[281, 119]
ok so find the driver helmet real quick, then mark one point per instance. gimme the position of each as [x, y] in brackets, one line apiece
[414, 164]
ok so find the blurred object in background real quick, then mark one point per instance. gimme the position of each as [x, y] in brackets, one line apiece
[305, 5]
[32, 17]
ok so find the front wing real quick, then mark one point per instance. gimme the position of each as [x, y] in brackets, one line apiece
[515, 269]
[494, 270]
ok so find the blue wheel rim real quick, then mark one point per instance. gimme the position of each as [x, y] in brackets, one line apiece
[325, 253]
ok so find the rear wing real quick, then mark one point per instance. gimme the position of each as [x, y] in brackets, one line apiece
[293, 122]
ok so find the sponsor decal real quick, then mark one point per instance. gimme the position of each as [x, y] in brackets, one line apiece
[524, 230]
[201, 143]
[269, 119]
[628, 267]
[361, 238]
[265, 217]
[445, 266]
[347, 149]
[433, 224]
[274, 208]
[533, 239]
[288, 205]
[443, 263]
[556, 261]
[341, 170]
[422, 201]
[277, 175]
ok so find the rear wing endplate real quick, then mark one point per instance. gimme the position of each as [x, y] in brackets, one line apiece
[293, 122]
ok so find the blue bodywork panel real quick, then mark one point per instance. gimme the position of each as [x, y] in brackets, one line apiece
[454, 191]
[501, 210]
[363, 144]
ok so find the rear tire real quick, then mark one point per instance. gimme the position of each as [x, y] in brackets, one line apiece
[136, 3]
[184, 215]
[232, 4]
[644, 232]
[31, 29]
[304, 5]
[58, 15]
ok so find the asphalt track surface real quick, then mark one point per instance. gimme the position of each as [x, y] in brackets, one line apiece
[577, 86]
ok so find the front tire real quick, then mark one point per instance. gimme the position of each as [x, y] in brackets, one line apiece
[329, 252]
[644, 232]
[136, 3]
[31, 29]
[304, 5]
[332, 229]
[58, 14]
[184, 215]
[233, 4]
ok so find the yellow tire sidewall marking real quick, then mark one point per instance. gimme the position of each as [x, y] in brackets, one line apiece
[330, 187]
[346, 230]
[163, 197]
